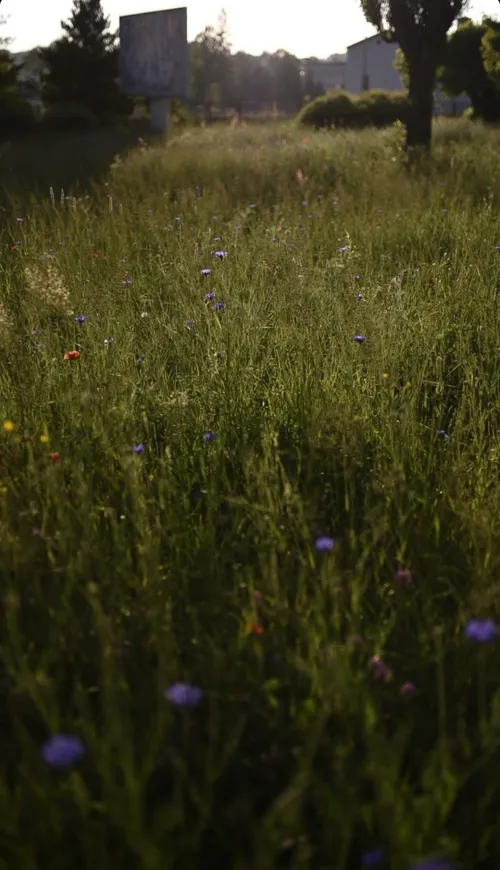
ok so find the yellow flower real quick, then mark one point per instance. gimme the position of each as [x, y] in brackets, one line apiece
[385, 375]
[44, 439]
[8, 426]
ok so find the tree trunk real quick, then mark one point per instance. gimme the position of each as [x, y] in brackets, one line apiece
[421, 91]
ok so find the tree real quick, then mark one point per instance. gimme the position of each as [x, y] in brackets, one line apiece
[420, 28]
[83, 65]
[9, 88]
[210, 66]
[491, 48]
[463, 69]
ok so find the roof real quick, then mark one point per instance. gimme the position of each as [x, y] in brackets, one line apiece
[368, 39]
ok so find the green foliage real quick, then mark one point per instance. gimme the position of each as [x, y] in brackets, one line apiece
[124, 573]
[69, 116]
[17, 117]
[83, 66]
[375, 108]
[463, 70]
[491, 48]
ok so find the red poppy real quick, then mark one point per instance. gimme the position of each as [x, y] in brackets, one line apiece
[14, 248]
[54, 457]
[72, 354]
[255, 629]
[95, 255]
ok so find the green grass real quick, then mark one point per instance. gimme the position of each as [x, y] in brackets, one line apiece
[124, 573]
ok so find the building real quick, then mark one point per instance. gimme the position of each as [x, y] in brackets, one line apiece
[370, 64]
[326, 74]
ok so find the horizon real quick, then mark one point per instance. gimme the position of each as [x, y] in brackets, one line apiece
[30, 25]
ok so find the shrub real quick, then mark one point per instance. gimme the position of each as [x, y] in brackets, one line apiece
[382, 108]
[337, 108]
[69, 116]
[371, 109]
[17, 117]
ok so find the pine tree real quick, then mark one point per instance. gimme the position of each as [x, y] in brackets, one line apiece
[9, 89]
[82, 67]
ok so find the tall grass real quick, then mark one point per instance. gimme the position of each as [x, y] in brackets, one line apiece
[195, 560]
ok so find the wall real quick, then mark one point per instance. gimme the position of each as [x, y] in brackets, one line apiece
[370, 64]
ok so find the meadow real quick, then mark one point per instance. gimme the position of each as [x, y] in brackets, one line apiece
[249, 508]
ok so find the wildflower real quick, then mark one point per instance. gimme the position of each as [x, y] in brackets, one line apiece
[37, 533]
[138, 448]
[380, 669]
[481, 630]
[72, 354]
[343, 249]
[255, 629]
[127, 281]
[109, 341]
[218, 306]
[254, 205]
[184, 695]
[408, 689]
[300, 176]
[385, 376]
[221, 255]
[323, 543]
[47, 283]
[80, 318]
[441, 433]
[205, 271]
[356, 277]
[54, 457]
[189, 323]
[359, 339]
[372, 858]
[19, 220]
[209, 436]
[209, 297]
[8, 426]
[217, 238]
[257, 597]
[63, 750]
[403, 576]
[139, 360]
[44, 439]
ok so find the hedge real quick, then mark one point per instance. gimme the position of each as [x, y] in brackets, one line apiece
[375, 108]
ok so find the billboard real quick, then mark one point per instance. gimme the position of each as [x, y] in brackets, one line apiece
[154, 54]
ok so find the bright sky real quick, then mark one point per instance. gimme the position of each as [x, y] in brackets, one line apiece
[313, 28]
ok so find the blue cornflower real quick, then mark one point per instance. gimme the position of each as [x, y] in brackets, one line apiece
[441, 433]
[62, 750]
[481, 630]
[323, 543]
[81, 318]
[138, 448]
[359, 339]
[221, 255]
[209, 436]
[209, 297]
[372, 858]
[184, 695]
[205, 271]
[218, 306]
[19, 220]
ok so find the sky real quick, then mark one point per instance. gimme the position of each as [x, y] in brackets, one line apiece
[316, 28]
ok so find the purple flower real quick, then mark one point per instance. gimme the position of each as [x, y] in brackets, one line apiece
[221, 255]
[127, 281]
[62, 750]
[205, 271]
[403, 576]
[19, 220]
[217, 238]
[209, 297]
[360, 297]
[218, 306]
[139, 360]
[356, 277]
[359, 339]
[254, 205]
[138, 448]
[343, 250]
[372, 858]
[481, 630]
[36, 331]
[189, 323]
[80, 318]
[209, 436]
[323, 543]
[177, 218]
[184, 695]
[441, 433]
